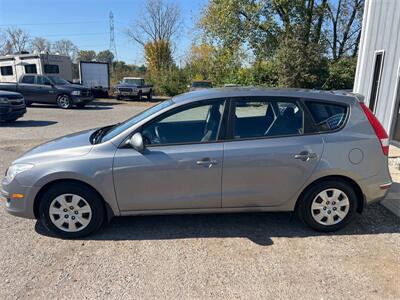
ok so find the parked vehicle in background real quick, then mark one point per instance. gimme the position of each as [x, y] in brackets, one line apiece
[321, 154]
[133, 87]
[200, 85]
[51, 90]
[96, 76]
[12, 67]
[12, 106]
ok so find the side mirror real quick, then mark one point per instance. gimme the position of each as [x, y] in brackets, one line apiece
[48, 83]
[136, 142]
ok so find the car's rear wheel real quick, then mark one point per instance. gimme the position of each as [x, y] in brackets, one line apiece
[64, 102]
[328, 205]
[71, 210]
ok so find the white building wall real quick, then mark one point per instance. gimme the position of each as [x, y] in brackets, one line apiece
[381, 31]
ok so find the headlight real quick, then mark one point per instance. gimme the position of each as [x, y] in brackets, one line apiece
[75, 93]
[4, 100]
[13, 170]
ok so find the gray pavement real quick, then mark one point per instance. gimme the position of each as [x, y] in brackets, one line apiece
[202, 256]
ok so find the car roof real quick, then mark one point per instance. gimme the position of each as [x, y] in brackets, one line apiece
[341, 96]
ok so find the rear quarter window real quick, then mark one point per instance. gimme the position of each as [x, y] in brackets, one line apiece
[327, 116]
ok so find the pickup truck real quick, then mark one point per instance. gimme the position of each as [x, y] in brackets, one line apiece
[12, 106]
[133, 87]
[51, 90]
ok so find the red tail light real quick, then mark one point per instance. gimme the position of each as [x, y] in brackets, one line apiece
[379, 130]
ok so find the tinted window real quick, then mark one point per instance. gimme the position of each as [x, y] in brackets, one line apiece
[51, 69]
[30, 69]
[197, 123]
[42, 80]
[263, 118]
[6, 71]
[28, 79]
[327, 116]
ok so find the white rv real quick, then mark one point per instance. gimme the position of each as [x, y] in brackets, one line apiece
[16, 65]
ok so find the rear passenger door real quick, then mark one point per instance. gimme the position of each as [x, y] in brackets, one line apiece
[268, 155]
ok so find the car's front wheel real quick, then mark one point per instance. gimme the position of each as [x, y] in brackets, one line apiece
[71, 210]
[328, 205]
[64, 101]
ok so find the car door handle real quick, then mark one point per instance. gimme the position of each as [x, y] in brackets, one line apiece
[305, 156]
[207, 162]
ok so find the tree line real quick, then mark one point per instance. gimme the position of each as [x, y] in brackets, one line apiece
[273, 43]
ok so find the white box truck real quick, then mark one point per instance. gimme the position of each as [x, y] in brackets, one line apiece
[12, 67]
[96, 76]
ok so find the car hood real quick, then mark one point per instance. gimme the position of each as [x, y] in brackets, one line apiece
[77, 144]
[73, 87]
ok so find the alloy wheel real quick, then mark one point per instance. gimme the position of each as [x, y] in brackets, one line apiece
[63, 102]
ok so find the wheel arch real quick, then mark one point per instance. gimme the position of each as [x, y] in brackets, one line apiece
[348, 180]
[108, 210]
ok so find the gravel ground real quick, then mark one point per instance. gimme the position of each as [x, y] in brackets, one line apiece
[201, 256]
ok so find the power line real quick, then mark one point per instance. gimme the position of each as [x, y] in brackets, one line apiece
[74, 34]
[50, 23]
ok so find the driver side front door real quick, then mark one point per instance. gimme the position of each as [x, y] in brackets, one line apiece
[181, 166]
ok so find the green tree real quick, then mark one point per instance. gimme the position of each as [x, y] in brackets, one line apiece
[105, 56]
[86, 55]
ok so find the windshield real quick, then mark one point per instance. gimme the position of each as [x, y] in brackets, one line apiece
[137, 81]
[205, 84]
[58, 80]
[114, 131]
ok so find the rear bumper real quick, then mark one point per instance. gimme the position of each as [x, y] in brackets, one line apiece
[375, 189]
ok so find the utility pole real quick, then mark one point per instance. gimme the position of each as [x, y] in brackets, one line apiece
[113, 46]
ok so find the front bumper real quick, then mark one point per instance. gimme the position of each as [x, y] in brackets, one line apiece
[20, 207]
[11, 112]
[127, 94]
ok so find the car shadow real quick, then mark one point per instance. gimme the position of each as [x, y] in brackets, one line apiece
[91, 106]
[27, 123]
[260, 228]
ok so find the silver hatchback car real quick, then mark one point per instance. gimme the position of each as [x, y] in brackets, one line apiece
[320, 154]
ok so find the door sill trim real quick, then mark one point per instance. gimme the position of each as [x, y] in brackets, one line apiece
[205, 210]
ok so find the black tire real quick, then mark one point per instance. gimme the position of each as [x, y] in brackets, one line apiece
[64, 101]
[119, 97]
[140, 96]
[28, 103]
[305, 212]
[150, 95]
[90, 196]
[80, 105]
